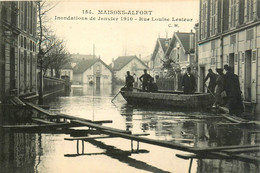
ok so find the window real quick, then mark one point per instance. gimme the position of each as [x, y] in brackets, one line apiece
[24, 42]
[249, 34]
[21, 41]
[249, 10]
[25, 16]
[213, 17]
[25, 66]
[204, 19]
[31, 45]
[14, 14]
[233, 39]
[233, 13]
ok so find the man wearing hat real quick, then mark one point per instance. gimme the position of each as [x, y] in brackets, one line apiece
[212, 80]
[232, 88]
[145, 79]
[188, 82]
[220, 84]
[129, 80]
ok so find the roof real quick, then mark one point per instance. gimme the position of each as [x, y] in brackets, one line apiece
[161, 42]
[122, 61]
[184, 39]
[79, 57]
[67, 66]
[164, 43]
[85, 64]
[146, 58]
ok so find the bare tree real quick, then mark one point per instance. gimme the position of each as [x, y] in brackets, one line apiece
[52, 51]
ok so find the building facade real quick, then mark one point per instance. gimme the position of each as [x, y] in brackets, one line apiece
[67, 70]
[128, 63]
[18, 55]
[92, 70]
[181, 49]
[158, 57]
[229, 33]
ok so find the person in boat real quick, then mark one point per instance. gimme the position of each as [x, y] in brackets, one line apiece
[145, 78]
[189, 82]
[152, 87]
[232, 88]
[220, 84]
[212, 81]
[129, 80]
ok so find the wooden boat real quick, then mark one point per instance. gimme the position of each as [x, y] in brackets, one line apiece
[168, 98]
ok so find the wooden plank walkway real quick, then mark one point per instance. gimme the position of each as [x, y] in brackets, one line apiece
[225, 152]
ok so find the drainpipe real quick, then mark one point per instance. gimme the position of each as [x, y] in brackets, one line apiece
[221, 37]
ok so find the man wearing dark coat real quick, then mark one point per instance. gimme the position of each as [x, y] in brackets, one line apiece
[145, 79]
[129, 80]
[189, 82]
[152, 87]
[212, 80]
[232, 88]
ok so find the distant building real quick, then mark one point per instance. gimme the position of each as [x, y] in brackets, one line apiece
[18, 53]
[229, 33]
[181, 49]
[92, 70]
[127, 63]
[181, 52]
[157, 58]
[67, 70]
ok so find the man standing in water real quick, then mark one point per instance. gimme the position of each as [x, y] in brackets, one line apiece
[129, 80]
[232, 88]
[189, 82]
[145, 79]
[212, 80]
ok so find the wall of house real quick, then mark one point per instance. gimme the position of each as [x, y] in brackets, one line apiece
[134, 66]
[68, 72]
[179, 55]
[99, 71]
[18, 48]
[157, 63]
[77, 78]
[241, 50]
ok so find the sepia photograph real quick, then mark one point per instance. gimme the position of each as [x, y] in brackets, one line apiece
[148, 86]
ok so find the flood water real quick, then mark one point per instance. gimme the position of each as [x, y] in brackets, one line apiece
[47, 153]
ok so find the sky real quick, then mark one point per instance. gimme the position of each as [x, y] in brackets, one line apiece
[130, 34]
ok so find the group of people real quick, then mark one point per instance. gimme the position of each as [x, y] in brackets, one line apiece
[226, 89]
[147, 80]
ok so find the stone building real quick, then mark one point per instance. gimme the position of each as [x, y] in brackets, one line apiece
[229, 33]
[128, 63]
[92, 71]
[18, 55]
[158, 57]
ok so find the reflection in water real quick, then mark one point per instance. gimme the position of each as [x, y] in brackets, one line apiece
[124, 156]
[29, 152]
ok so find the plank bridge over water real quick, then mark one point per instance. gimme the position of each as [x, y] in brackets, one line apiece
[45, 121]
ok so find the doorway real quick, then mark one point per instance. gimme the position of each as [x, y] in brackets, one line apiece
[97, 81]
[248, 77]
[231, 61]
[201, 79]
[12, 68]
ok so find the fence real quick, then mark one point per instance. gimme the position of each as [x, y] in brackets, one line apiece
[51, 84]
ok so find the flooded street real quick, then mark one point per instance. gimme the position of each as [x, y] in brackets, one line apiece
[30, 152]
